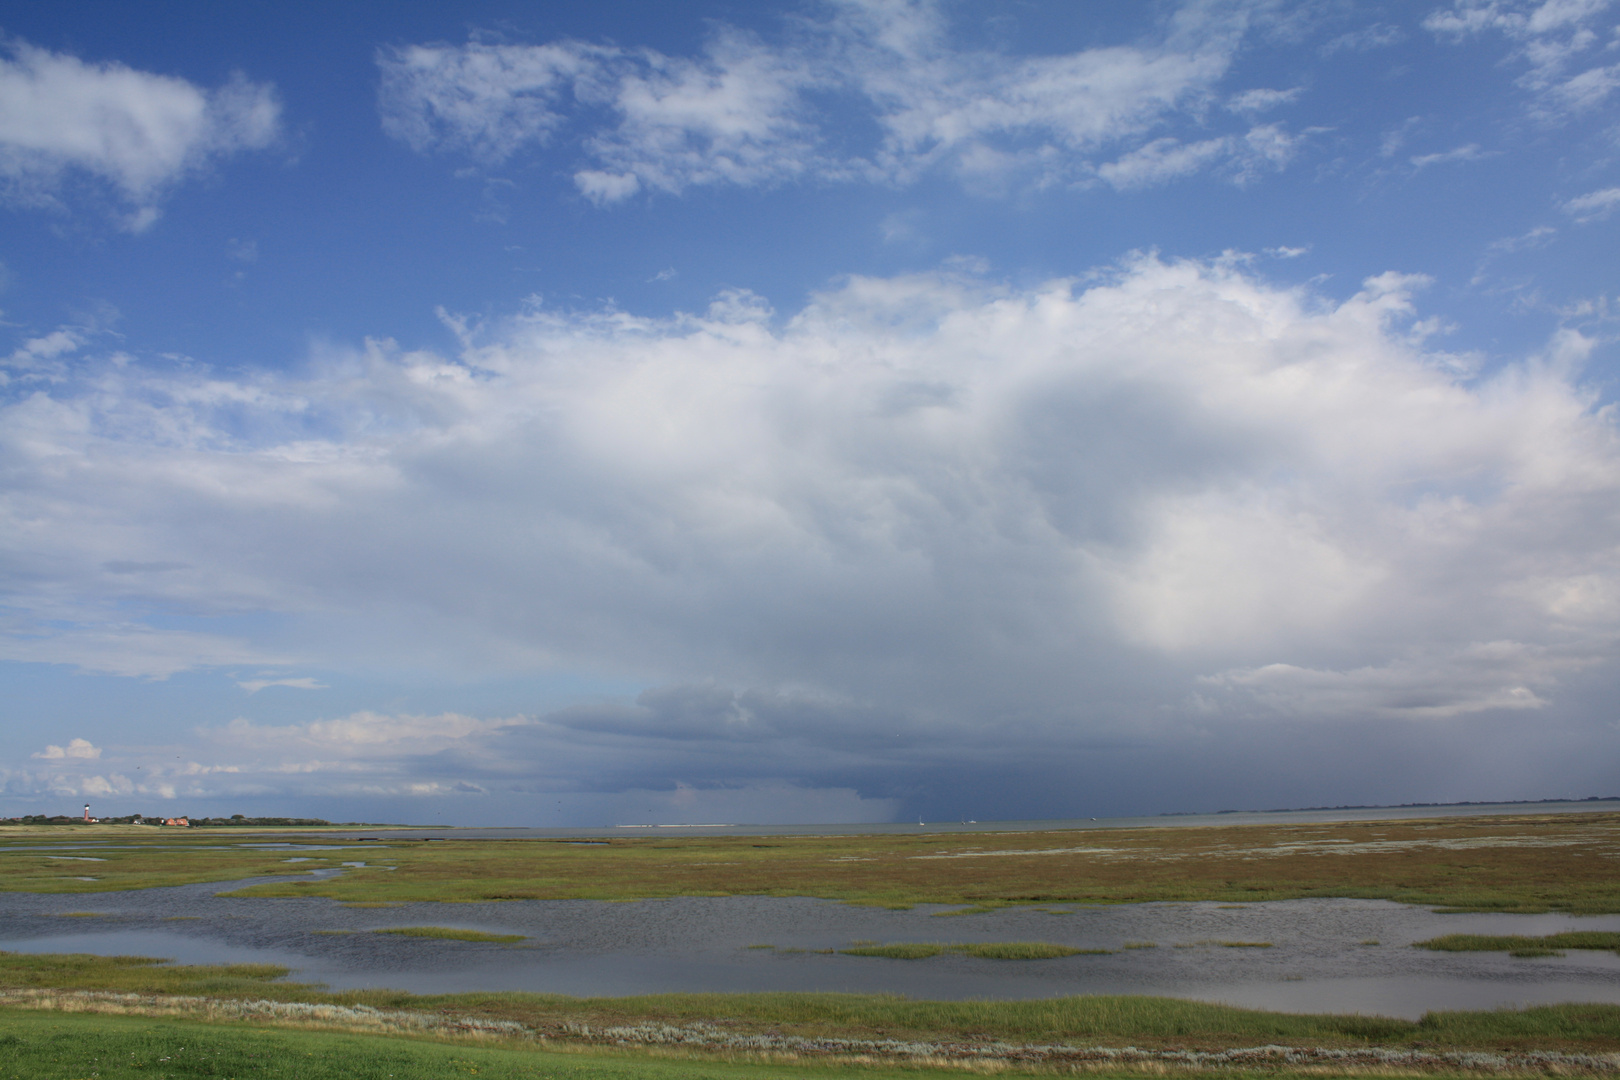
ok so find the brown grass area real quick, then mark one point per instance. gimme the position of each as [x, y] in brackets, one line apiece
[1522, 864]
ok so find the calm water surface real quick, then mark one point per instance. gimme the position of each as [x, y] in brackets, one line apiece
[1316, 962]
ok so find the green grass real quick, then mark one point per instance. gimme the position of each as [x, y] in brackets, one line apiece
[1515, 945]
[450, 934]
[55, 1047]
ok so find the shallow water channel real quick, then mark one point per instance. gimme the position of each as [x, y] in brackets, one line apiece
[1321, 957]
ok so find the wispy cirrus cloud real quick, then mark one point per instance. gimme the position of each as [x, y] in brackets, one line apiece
[1561, 43]
[751, 113]
[1594, 205]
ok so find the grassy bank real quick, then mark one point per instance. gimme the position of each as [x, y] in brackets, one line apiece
[1513, 863]
[34, 1047]
[1091, 1020]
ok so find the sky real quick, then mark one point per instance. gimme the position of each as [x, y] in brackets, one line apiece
[825, 411]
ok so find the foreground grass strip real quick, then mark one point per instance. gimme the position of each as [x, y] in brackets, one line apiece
[451, 934]
[217, 1049]
[1548, 945]
[126, 1048]
[134, 984]
[1519, 863]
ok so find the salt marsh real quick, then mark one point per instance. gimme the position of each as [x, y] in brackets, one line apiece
[1321, 956]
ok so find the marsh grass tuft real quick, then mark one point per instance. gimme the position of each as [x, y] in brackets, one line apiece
[983, 950]
[1218, 944]
[1516, 945]
[1140, 945]
[450, 934]
[905, 950]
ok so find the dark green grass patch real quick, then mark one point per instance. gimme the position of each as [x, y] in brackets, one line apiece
[451, 934]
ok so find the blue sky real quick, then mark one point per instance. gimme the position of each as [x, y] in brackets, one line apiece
[575, 414]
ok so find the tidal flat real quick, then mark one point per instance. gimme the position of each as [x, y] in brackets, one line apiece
[1025, 936]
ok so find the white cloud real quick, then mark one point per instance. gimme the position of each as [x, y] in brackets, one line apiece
[76, 748]
[1169, 159]
[1162, 160]
[253, 686]
[750, 113]
[1260, 100]
[1471, 152]
[486, 100]
[1375, 36]
[923, 496]
[137, 131]
[603, 188]
[1594, 205]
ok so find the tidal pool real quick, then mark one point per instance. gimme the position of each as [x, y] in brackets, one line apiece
[1319, 959]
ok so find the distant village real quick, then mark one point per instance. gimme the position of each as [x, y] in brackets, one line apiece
[184, 821]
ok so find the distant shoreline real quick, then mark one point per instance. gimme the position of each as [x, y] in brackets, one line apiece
[1181, 819]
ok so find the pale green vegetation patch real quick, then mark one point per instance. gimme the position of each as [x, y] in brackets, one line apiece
[451, 934]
